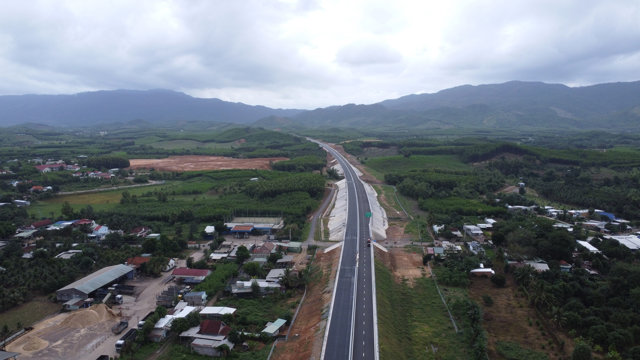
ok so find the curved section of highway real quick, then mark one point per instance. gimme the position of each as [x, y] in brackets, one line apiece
[351, 332]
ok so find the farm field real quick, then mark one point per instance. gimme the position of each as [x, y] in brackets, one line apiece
[199, 162]
[399, 163]
[104, 200]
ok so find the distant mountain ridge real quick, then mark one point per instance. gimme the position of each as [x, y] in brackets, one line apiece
[99, 107]
[511, 105]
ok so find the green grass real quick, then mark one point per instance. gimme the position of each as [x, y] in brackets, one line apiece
[391, 206]
[254, 313]
[103, 200]
[398, 163]
[28, 313]
[410, 320]
[419, 227]
[143, 352]
[513, 351]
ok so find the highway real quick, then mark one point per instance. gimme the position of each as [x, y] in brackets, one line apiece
[351, 332]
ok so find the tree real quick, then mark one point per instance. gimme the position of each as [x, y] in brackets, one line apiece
[149, 245]
[67, 210]
[581, 352]
[253, 269]
[126, 198]
[242, 254]
[274, 257]
[498, 280]
[113, 240]
[498, 239]
[255, 288]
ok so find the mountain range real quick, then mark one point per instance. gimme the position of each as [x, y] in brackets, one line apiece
[511, 105]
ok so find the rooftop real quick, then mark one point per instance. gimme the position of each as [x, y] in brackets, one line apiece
[588, 246]
[99, 278]
[214, 327]
[217, 310]
[137, 260]
[186, 272]
[274, 326]
[4, 355]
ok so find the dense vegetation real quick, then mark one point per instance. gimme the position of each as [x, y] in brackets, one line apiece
[107, 162]
[458, 181]
[178, 206]
[22, 278]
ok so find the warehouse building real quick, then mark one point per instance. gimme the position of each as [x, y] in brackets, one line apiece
[81, 289]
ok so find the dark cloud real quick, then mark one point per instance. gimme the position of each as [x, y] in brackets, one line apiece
[312, 53]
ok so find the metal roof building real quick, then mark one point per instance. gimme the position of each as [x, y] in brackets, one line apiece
[273, 328]
[8, 355]
[92, 282]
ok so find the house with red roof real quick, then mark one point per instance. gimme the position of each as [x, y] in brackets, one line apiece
[41, 223]
[140, 231]
[190, 276]
[264, 249]
[50, 167]
[137, 261]
[207, 338]
[84, 222]
[187, 272]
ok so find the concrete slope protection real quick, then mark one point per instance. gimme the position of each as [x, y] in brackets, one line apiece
[351, 330]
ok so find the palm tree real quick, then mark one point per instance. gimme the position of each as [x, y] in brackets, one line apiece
[523, 276]
[539, 296]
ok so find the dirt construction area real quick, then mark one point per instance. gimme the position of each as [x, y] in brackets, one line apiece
[510, 318]
[404, 265]
[67, 335]
[306, 335]
[195, 163]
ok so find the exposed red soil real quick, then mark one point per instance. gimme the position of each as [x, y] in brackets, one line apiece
[200, 162]
[403, 264]
[305, 337]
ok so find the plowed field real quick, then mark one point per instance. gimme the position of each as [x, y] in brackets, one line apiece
[200, 162]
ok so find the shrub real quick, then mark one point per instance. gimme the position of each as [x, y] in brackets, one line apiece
[498, 280]
[581, 352]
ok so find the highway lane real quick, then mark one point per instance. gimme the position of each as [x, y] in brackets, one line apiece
[351, 333]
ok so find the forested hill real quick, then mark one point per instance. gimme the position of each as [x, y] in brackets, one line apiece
[100, 107]
[512, 105]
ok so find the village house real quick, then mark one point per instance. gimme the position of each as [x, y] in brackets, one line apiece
[273, 328]
[245, 288]
[196, 298]
[216, 312]
[208, 338]
[163, 326]
[474, 232]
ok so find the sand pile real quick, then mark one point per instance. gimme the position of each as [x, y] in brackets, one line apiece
[90, 316]
[29, 344]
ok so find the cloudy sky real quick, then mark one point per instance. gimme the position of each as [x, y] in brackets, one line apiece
[307, 54]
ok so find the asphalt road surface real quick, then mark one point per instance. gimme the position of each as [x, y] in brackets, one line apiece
[351, 329]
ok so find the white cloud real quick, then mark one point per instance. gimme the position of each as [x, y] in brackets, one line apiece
[312, 53]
